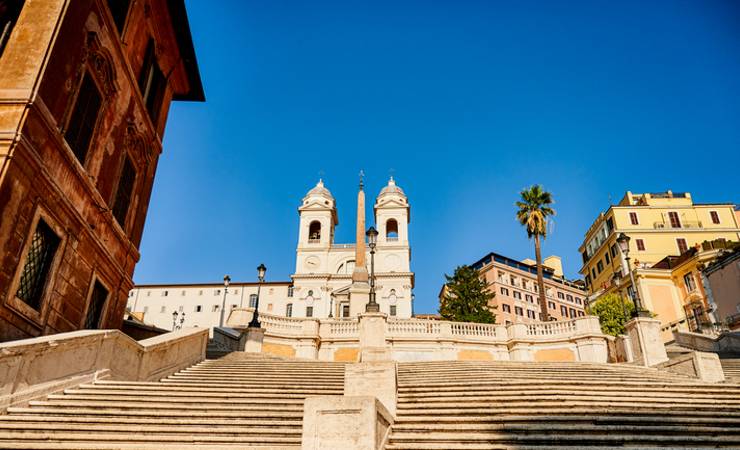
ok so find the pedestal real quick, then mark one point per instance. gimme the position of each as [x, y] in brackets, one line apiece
[647, 346]
[377, 379]
[373, 346]
[255, 336]
[359, 296]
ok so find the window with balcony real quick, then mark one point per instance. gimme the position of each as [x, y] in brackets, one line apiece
[37, 267]
[674, 219]
[633, 218]
[715, 217]
[83, 119]
[314, 231]
[682, 246]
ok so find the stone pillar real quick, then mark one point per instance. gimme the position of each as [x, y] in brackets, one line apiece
[373, 346]
[647, 346]
[340, 423]
[255, 336]
[359, 295]
[376, 378]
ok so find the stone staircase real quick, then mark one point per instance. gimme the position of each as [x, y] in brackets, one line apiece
[731, 367]
[239, 401]
[496, 405]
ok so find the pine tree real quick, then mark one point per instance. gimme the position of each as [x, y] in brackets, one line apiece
[466, 297]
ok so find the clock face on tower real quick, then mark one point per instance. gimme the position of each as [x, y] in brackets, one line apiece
[311, 263]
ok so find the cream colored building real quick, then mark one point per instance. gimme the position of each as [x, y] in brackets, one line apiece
[320, 286]
[671, 239]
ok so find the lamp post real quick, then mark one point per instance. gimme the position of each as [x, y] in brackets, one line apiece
[372, 240]
[617, 280]
[255, 322]
[227, 280]
[624, 245]
[331, 306]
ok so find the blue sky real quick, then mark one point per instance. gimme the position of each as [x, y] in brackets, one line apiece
[467, 102]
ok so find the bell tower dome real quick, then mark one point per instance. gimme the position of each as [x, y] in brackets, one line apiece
[392, 215]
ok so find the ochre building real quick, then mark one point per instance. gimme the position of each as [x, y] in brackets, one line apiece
[85, 88]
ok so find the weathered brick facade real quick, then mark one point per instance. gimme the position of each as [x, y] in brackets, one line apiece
[53, 46]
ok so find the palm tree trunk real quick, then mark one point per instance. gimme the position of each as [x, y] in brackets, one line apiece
[540, 279]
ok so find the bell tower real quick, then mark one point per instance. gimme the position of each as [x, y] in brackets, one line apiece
[318, 217]
[392, 215]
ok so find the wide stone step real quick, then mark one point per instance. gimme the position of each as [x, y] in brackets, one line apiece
[401, 430]
[180, 400]
[150, 412]
[157, 420]
[549, 408]
[460, 422]
[595, 397]
[463, 395]
[87, 445]
[479, 383]
[221, 386]
[213, 429]
[147, 438]
[611, 438]
[175, 388]
[64, 403]
[191, 393]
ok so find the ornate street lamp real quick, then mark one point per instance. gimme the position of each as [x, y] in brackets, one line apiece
[255, 323]
[623, 241]
[372, 240]
[227, 280]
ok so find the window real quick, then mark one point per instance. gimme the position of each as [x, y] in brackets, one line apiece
[165, 293]
[578, 301]
[269, 306]
[84, 116]
[682, 247]
[506, 308]
[151, 82]
[640, 245]
[391, 230]
[529, 298]
[314, 231]
[163, 309]
[688, 280]
[606, 257]
[517, 294]
[572, 313]
[393, 310]
[182, 293]
[236, 292]
[633, 218]
[600, 266]
[97, 304]
[504, 291]
[588, 280]
[345, 310]
[593, 272]
[551, 305]
[563, 311]
[217, 292]
[200, 292]
[37, 267]
[125, 191]
[580, 314]
[309, 311]
[715, 217]
[675, 222]
[519, 311]
[119, 11]
[614, 250]
[561, 296]
[289, 310]
[290, 291]
[530, 314]
[198, 308]
[215, 308]
[253, 301]
[569, 297]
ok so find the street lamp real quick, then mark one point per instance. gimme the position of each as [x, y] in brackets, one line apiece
[372, 240]
[227, 280]
[624, 245]
[255, 323]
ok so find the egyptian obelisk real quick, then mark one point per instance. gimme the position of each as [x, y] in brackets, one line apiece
[360, 289]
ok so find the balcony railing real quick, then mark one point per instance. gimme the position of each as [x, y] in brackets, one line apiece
[683, 224]
[314, 240]
[391, 239]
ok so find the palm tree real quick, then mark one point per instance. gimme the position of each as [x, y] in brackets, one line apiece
[533, 213]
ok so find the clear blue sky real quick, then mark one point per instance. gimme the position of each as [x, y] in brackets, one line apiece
[467, 101]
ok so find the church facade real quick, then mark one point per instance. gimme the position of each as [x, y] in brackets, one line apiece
[330, 279]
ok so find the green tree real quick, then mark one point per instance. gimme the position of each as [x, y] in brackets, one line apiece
[613, 311]
[466, 297]
[533, 212]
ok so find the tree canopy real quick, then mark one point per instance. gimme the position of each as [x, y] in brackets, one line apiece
[534, 209]
[466, 297]
[612, 315]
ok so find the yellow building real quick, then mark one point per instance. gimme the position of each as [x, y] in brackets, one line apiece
[671, 238]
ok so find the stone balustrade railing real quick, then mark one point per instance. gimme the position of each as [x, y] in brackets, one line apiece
[551, 328]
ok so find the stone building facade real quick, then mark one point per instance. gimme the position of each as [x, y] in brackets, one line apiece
[85, 88]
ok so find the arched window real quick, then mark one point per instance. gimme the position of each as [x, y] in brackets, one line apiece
[391, 230]
[347, 267]
[314, 231]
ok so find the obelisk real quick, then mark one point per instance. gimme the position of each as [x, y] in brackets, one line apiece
[359, 291]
